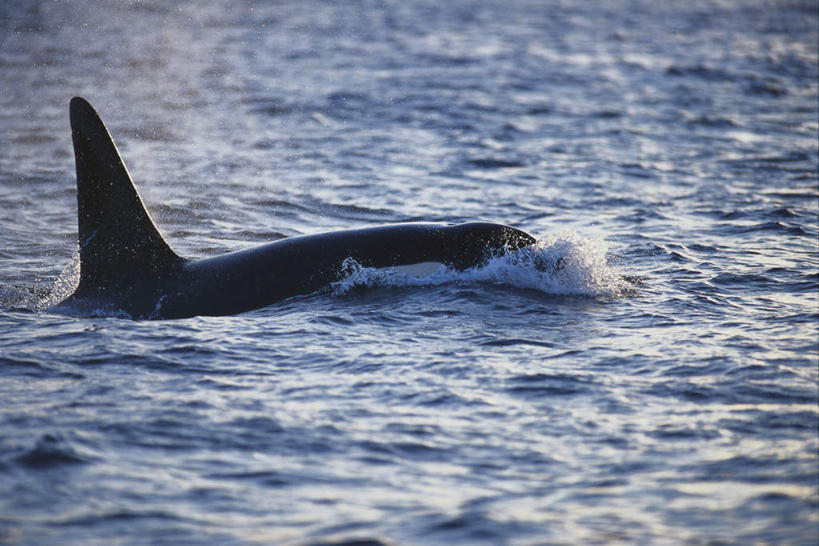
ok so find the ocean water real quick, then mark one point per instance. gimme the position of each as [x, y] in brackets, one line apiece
[646, 375]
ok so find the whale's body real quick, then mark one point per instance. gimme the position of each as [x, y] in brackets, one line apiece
[126, 265]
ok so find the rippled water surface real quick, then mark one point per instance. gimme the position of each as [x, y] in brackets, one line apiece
[647, 374]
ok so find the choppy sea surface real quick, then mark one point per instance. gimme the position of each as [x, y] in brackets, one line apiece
[659, 386]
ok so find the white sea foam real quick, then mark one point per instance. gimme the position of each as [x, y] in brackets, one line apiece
[562, 264]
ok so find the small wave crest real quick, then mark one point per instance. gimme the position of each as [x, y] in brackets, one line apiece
[562, 264]
[50, 451]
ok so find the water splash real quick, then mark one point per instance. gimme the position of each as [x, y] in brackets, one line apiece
[39, 295]
[64, 285]
[561, 264]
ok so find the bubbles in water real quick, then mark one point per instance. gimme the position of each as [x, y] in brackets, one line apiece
[562, 264]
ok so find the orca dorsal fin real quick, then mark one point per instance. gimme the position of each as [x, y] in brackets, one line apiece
[116, 234]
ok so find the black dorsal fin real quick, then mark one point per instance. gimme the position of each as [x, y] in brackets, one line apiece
[116, 234]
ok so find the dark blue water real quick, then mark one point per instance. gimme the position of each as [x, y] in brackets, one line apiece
[658, 387]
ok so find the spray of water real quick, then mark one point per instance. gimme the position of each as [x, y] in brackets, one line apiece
[63, 286]
[562, 264]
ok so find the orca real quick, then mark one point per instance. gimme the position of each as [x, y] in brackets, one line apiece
[126, 266]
